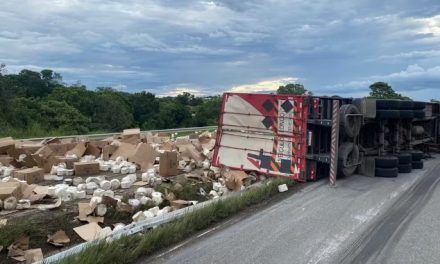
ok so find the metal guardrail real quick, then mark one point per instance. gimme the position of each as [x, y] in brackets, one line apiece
[138, 227]
[105, 135]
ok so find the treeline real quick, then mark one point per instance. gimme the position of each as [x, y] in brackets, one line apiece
[39, 104]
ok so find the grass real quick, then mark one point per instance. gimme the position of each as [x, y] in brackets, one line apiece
[130, 248]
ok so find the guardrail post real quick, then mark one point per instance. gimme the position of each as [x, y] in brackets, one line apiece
[334, 143]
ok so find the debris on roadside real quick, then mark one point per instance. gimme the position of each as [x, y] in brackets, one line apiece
[282, 188]
[59, 239]
[140, 175]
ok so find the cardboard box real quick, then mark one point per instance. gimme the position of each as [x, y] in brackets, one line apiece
[8, 189]
[23, 148]
[78, 150]
[92, 149]
[125, 150]
[69, 161]
[86, 168]
[107, 151]
[144, 155]
[5, 144]
[168, 164]
[5, 160]
[60, 149]
[131, 132]
[31, 175]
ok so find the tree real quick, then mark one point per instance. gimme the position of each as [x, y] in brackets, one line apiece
[382, 90]
[293, 88]
[207, 113]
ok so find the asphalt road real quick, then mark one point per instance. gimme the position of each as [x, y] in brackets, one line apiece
[362, 220]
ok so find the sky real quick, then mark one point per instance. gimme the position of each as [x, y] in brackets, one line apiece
[210, 47]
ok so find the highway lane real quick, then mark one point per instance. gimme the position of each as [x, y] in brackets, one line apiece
[361, 220]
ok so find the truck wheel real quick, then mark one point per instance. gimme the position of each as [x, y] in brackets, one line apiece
[419, 105]
[404, 168]
[406, 105]
[351, 126]
[417, 155]
[386, 172]
[387, 104]
[348, 158]
[419, 113]
[387, 114]
[417, 165]
[387, 162]
[404, 158]
[406, 114]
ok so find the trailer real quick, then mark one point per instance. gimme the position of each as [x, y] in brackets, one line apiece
[307, 138]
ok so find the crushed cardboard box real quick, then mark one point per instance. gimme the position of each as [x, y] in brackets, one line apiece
[125, 150]
[5, 144]
[59, 239]
[235, 179]
[8, 189]
[88, 232]
[78, 150]
[144, 155]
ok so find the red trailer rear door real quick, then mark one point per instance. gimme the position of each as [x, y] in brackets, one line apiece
[263, 132]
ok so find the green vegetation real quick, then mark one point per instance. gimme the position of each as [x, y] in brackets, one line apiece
[128, 249]
[382, 90]
[293, 88]
[34, 104]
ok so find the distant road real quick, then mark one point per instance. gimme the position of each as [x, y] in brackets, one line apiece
[362, 220]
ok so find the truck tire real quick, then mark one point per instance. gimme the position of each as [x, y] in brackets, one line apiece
[348, 158]
[406, 105]
[419, 105]
[419, 113]
[417, 165]
[404, 158]
[417, 155]
[387, 162]
[387, 114]
[387, 104]
[404, 168]
[350, 126]
[406, 114]
[386, 172]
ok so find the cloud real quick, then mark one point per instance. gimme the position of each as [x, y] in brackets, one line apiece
[414, 80]
[216, 45]
[180, 90]
[416, 54]
[263, 86]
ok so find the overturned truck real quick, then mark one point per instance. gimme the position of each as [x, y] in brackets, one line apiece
[310, 137]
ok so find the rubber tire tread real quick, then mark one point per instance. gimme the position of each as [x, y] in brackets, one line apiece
[386, 162]
[417, 155]
[344, 150]
[419, 105]
[406, 114]
[387, 104]
[386, 173]
[349, 128]
[406, 105]
[404, 158]
[404, 168]
[387, 114]
[417, 165]
[419, 113]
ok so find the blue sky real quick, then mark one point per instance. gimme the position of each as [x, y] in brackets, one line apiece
[209, 47]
